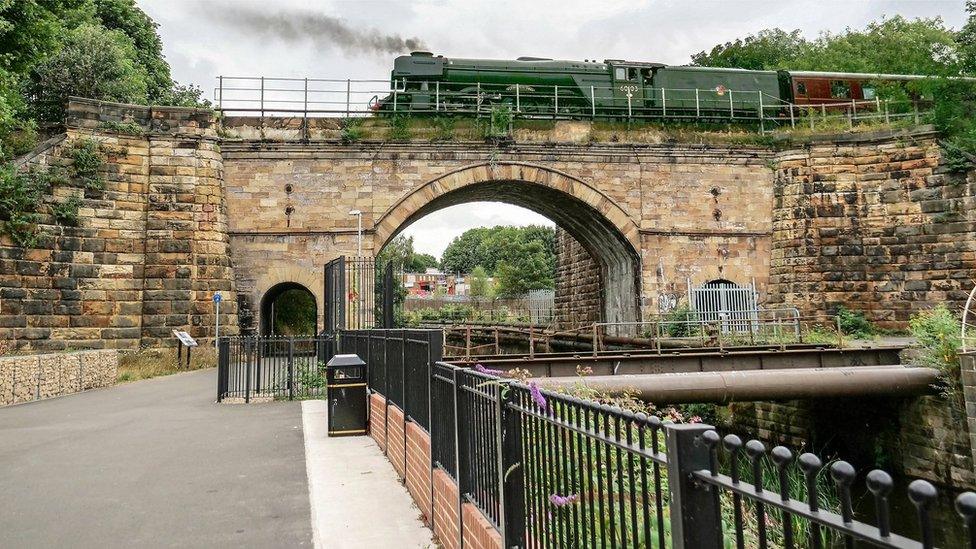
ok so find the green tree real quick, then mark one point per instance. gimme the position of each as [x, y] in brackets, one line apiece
[480, 285]
[488, 247]
[126, 17]
[461, 255]
[966, 38]
[891, 45]
[400, 252]
[767, 49]
[528, 268]
[94, 63]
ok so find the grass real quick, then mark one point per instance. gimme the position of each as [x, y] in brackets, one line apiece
[155, 362]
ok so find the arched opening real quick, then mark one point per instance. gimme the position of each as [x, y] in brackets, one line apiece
[600, 227]
[288, 309]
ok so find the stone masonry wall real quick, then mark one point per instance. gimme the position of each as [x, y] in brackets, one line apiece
[876, 223]
[34, 377]
[149, 250]
[579, 288]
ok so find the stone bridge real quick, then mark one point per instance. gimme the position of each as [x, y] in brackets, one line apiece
[190, 207]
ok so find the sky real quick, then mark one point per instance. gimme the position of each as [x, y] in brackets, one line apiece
[357, 39]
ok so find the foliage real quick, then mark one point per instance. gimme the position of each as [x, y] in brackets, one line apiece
[351, 130]
[149, 363]
[87, 160]
[938, 332]
[127, 128]
[125, 17]
[528, 267]
[93, 63]
[487, 247]
[677, 322]
[66, 211]
[443, 128]
[400, 251]
[20, 193]
[294, 313]
[855, 324]
[399, 128]
[480, 284]
[769, 48]
[499, 122]
[966, 38]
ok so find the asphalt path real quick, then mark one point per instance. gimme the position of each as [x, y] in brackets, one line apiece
[153, 463]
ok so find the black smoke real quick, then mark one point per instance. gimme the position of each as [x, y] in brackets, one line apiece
[323, 30]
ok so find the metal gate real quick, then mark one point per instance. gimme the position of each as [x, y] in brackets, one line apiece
[734, 306]
[354, 298]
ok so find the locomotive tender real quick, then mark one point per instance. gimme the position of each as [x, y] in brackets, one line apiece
[534, 85]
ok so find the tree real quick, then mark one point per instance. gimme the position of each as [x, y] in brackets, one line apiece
[400, 252]
[126, 17]
[891, 45]
[480, 285]
[529, 268]
[966, 38]
[94, 63]
[487, 247]
[767, 49]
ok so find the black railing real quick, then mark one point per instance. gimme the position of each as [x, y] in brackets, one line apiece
[399, 365]
[552, 470]
[272, 366]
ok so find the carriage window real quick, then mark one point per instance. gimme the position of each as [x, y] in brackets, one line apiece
[620, 73]
[631, 74]
[801, 88]
[869, 92]
[840, 89]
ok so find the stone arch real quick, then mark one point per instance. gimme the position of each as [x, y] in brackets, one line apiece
[296, 276]
[605, 230]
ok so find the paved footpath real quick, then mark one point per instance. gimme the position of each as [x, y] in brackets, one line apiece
[157, 464]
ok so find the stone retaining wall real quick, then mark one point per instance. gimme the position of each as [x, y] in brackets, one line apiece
[34, 377]
[579, 285]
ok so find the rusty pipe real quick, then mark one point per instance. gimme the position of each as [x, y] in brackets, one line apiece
[751, 385]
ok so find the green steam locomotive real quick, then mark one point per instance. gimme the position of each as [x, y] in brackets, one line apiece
[425, 83]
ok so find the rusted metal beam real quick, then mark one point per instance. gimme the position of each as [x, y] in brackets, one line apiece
[688, 360]
[732, 386]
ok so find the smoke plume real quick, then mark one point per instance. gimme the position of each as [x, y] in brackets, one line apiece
[323, 30]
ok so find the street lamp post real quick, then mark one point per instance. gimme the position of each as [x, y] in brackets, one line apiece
[359, 231]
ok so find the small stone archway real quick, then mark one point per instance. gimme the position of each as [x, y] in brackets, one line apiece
[269, 304]
[284, 277]
[607, 232]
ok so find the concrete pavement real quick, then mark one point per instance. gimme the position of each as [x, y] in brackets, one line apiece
[376, 510]
[153, 464]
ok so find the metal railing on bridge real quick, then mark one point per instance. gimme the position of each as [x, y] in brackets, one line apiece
[349, 98]
[552, 469]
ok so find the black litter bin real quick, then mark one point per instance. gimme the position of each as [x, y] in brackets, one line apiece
[346, 377]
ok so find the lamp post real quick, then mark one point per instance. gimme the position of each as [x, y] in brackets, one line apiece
[359, 231]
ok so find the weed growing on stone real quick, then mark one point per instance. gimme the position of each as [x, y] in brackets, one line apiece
[155, 362]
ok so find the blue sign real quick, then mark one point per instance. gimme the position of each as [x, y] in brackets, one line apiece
[216, 297]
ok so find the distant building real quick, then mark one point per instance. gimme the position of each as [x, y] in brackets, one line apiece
[432, 282]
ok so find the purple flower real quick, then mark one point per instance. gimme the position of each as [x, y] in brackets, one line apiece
[537, 395]
[563, 501]
[489, 371]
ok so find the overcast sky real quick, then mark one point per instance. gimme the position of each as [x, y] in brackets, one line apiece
[353, 39]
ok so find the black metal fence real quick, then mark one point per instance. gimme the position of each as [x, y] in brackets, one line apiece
[554, 470]
[399, 365]
[273, 366]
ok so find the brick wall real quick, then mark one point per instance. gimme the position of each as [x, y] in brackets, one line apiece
[419, 468]
[395, 448]
[873, 222]
[445, 505]
[579, 286]
[32, 377]
[377, 419]
[433, 490]
[478, 532]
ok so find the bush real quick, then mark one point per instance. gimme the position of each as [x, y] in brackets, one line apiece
[87, 159]
[854, 323]
[95, 63]
[938, 332]
[352, 130]
[676, 322]
[399, 128]
[66, 212]
[20, 193]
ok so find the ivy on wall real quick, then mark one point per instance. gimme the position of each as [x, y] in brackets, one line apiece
[21, 191]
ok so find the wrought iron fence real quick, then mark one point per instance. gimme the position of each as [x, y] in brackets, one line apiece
[352, 293]
[325, 97]
[272, 366]
[553, 470]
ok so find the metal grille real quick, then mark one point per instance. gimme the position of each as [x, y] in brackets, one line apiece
[732, 305]
[350, 294]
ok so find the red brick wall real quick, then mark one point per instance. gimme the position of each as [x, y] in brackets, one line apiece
[377, 419]
[445, 509]
[395, 450]
[478, 532]
[418, 467]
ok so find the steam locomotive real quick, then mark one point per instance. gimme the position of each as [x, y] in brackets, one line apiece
[424, 82]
